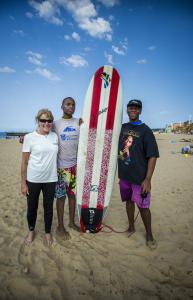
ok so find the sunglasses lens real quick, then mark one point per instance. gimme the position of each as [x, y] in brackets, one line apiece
[44, 121]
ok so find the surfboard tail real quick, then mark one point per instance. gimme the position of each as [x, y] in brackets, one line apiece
[91, 219]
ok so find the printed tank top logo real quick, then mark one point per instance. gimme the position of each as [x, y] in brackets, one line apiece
[70, 134]
[69, 129]
[106, 78]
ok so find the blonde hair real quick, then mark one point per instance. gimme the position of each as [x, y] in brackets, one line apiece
[44, 111]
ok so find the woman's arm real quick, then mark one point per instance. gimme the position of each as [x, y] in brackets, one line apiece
[24, 163]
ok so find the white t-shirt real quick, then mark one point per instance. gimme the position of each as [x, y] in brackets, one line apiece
[67, 131]
[42, 164]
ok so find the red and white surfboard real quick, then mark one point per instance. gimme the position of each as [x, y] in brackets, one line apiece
[98, 143]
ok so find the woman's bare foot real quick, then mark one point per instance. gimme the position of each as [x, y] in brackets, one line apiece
[61, 231]
[49, 239]
[74, 226]
[30, 237]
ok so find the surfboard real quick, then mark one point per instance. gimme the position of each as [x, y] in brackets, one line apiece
[97, 150]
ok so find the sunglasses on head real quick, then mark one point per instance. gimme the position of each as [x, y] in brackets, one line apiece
[44, 121]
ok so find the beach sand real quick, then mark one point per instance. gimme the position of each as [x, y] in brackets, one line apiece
[104, 265]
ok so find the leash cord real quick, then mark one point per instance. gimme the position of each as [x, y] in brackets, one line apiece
[114, 230]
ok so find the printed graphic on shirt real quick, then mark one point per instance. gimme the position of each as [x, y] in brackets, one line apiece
[69, 129]
[127, 144]
[68, 136]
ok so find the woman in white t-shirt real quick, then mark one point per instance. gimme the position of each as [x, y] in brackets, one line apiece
[39, 172]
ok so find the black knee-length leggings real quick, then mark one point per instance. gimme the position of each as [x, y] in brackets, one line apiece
[48, 190]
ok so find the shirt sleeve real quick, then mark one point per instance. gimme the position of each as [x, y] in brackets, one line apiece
[26, 144]
[150, 144]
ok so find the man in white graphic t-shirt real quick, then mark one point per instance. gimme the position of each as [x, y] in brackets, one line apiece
[67, 129]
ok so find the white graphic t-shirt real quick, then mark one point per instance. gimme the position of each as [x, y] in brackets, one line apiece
[42, 164]
[68, 135]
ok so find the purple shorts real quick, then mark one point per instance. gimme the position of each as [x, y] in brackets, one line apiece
[130, 191]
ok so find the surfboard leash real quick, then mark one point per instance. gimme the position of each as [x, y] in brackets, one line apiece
[117, 231]
[144, 195]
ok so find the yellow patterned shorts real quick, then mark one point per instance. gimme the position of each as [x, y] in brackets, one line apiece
[66, 184]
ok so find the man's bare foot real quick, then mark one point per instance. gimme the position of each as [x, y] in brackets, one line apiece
[48, 239]
[30, 237]
[151, 242]
[74, 226]
[131, 230]
[61, 231]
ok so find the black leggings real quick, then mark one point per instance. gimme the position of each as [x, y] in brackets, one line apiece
[48, 190]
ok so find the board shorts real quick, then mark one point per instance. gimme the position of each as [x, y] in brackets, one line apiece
[66, 184]
[131, 191]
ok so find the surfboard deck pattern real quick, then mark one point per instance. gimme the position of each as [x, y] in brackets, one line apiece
[97, 151]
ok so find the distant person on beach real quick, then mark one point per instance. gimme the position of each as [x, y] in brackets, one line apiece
[39, 172]
[67, 130]
[187, 149]
[136, 167]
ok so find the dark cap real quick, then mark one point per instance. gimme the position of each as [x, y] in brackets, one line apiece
[135, 102]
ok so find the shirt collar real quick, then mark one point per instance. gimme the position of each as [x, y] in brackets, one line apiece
[139, 122]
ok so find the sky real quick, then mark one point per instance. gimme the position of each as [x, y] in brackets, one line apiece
[50, 50]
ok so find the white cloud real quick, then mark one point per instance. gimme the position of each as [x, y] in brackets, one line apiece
[35, 54]
[98, 28]
[34, 61]
[118, 50]
[109, 37]
[82, 11]
[29, 15]
[44, 73]
[124, 43]
[109, 58]
[56, 21]
[109, 3]
[34, 58]
[48, 10]
[74, 60]
[151, 48]
[67, 37]
[6, 70]
[19, 32]
[85, 14]
[12, 18]
[111, 18]
[142, 61]
[76, 36]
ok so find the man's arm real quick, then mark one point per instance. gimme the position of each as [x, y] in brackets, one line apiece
[146, 184]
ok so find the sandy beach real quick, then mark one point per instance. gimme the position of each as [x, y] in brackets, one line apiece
[104, 265]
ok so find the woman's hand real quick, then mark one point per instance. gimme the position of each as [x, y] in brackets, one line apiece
[24, 189]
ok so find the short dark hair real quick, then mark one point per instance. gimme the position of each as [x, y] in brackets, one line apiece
[68, 98]
[135, 102]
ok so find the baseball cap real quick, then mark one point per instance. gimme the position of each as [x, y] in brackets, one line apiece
[135, 102]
